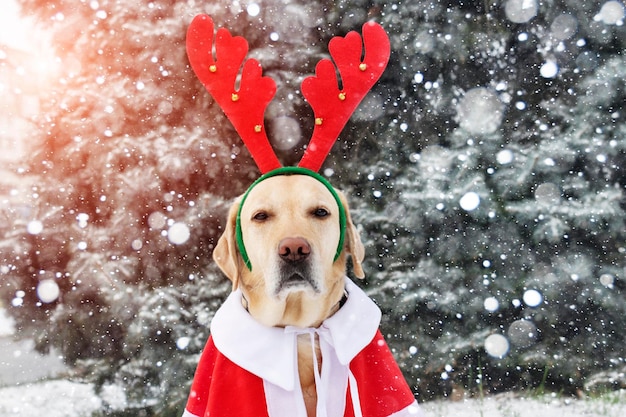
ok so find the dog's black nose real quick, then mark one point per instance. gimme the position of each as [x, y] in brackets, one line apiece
[294, 249]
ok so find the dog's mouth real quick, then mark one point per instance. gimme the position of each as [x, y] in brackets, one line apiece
[296, 279]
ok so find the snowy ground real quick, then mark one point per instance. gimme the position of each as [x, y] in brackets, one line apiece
[24, 394]
[70, 399]
[514, 405]
[57, 398]
[19, 363]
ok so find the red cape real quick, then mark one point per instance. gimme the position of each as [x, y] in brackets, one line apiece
[250, 370]
[223, 389]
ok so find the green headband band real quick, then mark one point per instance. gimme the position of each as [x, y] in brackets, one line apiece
[290, 171]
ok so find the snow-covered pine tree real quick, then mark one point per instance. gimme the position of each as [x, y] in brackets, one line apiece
[132, 170]
[490, 191]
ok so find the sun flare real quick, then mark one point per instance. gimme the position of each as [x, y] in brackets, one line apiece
[25, 44]
[28, 69]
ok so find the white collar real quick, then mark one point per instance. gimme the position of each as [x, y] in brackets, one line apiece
[271, 353]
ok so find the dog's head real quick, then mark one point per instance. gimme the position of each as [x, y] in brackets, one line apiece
[290, 225]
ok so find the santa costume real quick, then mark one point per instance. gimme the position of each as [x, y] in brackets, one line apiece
[251, 370]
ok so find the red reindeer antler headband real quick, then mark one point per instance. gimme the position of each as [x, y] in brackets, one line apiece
[246, 105]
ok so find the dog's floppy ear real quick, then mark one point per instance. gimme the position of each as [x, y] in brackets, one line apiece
[226, 255]
[353, 244]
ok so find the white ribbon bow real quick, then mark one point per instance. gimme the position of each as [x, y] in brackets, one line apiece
[327, 351]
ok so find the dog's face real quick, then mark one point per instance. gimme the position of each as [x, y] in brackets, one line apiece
[290, 228]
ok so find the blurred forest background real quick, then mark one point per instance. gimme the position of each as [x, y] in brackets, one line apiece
[485, 169]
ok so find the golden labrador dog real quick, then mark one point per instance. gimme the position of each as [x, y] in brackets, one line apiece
[290, 227]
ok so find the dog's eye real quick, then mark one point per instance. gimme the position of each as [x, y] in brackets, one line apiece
[261, 216]
[320, 212]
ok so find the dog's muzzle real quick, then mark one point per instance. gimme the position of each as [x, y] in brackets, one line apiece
[295, 272]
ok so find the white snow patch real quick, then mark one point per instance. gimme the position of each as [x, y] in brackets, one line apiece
[513, 404]
[7, 324]
[59, 398]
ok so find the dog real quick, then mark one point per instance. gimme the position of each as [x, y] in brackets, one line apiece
[288, 226]
[295, 285]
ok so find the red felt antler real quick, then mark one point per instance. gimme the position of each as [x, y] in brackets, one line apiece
[333, 106]
[244, 107]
